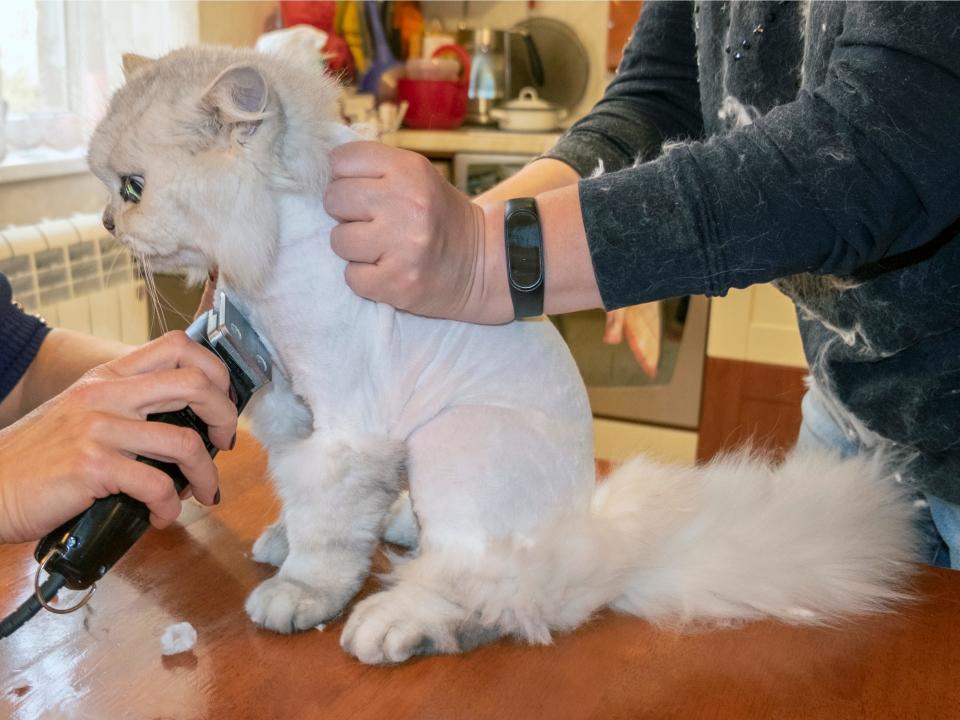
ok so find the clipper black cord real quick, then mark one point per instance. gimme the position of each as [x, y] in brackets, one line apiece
[31, 606]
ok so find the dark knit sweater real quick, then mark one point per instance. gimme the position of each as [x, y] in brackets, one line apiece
[20, 338]
[820, 148]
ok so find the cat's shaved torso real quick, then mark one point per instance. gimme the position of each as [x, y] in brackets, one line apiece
[367, 368]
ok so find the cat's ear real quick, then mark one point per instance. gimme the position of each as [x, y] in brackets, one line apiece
[133, 62]
[238, 95]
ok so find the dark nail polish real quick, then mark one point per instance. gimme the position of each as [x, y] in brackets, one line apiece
[216, 498]
[233, 441]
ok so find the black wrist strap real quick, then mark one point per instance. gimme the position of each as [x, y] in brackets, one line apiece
[525, 267]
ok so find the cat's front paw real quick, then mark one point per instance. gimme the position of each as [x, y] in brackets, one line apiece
[387, 628]
[272, 547]
[286, 606]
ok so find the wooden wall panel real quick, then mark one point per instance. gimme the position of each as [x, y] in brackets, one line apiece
[749, 402]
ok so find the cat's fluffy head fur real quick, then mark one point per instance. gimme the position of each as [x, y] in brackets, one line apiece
[215, 133]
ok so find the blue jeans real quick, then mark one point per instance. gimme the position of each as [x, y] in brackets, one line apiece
[939, 520]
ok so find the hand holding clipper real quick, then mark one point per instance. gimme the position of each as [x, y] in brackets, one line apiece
[83, 548]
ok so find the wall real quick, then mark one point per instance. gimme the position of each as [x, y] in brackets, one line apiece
[29, 201]
[234, 23]
[757, 325]
[754, 377]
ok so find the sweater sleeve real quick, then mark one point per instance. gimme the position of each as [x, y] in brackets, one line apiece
[654, 96]
[20, 339]
[861, 168]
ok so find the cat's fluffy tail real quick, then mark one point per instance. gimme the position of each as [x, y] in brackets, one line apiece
[806, 541]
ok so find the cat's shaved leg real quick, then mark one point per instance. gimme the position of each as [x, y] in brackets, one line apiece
[478, 476]
[277, 415]
[335, 492]
[272, 547]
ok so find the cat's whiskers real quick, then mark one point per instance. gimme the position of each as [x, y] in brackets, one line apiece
[162, 302]
[151, 286]
[113, 256]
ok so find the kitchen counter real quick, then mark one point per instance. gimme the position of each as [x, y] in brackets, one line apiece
[436, 143]
[106, 662]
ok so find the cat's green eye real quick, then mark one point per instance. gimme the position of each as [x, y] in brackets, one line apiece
[131, 188]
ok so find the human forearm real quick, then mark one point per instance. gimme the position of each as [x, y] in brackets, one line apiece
[81, 444]
[570, 284]
[63, 357]
[569, 281]
[540, 176]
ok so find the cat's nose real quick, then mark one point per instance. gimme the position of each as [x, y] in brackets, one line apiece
[108, 221]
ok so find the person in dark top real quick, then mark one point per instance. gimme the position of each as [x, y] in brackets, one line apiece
[73, 416]
[810, 144]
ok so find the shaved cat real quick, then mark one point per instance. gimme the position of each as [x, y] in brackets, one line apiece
[217, 158]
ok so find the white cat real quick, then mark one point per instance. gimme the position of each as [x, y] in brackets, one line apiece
[218, 158]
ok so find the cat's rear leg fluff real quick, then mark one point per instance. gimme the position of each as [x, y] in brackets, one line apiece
[335, 493]
[272, 547]
[478, 475]
[401, 527]
[412, 619]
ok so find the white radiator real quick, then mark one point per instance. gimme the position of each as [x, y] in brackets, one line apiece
[76, 276]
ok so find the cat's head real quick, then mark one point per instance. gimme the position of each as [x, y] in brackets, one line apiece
[194, 148]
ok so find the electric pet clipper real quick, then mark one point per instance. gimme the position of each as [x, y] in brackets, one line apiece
[83, 549]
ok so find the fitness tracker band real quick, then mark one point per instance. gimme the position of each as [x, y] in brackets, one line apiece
[525, 268]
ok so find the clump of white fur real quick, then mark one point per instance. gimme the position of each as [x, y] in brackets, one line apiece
[178, 638]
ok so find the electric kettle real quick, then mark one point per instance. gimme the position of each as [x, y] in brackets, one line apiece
[490, 71]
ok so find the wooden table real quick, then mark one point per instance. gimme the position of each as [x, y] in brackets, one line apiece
[106, 663]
